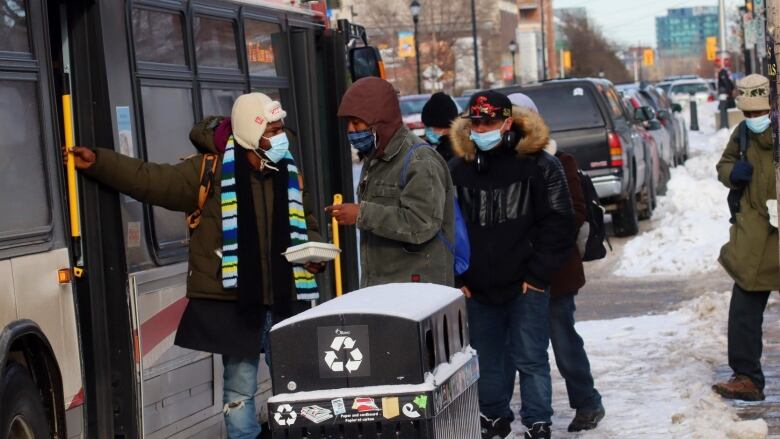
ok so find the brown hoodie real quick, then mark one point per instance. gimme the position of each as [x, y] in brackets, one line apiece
[375, 101]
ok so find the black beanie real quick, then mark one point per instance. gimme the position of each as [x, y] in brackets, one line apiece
[439, 111]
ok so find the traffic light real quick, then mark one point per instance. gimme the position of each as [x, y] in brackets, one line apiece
[567, 59]
[648, 57]
[712, 48]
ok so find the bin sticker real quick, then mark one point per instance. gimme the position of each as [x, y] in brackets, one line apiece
[421, 401]
[343, 351]
[365, 404]
[410, 411]
[285, 415]
[338, 406]
[316, 414]
[390, 407]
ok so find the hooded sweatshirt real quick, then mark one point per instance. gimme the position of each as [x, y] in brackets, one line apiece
[402, 226]
[518, 210]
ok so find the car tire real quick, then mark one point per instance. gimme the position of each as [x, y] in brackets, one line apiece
[626, 220]
[22, 414]
[647, 198]
[663, 179]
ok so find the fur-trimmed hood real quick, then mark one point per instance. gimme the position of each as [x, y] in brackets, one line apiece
[535, 131]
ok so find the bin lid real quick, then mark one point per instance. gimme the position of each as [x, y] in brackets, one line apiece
[410, 301]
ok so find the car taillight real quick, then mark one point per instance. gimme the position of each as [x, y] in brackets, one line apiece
[710, 98]
[615, 149]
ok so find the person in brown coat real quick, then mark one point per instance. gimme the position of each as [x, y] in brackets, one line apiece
[568, 347]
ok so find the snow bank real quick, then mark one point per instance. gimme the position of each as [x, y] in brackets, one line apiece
[691, 221]
[655, 375]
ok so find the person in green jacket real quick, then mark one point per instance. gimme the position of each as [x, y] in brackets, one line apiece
[405, 213]
[238, 282]
[751, 255]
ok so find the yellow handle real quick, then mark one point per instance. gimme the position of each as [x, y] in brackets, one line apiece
[337, 199]
[73, 204]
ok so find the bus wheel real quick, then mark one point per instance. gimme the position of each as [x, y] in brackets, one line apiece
[22, 415]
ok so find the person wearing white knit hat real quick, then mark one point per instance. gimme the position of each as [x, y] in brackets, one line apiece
[751, 255]
[238, 282]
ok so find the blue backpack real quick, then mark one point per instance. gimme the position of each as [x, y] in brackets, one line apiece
[461, 249]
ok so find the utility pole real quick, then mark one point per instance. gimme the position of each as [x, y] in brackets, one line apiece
[544, 43]
[476, 44]
[722, 17]
[772, 12]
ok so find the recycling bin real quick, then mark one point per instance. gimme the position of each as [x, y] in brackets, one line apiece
[386, 361]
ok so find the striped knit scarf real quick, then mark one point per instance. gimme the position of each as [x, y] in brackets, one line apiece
[305, 284]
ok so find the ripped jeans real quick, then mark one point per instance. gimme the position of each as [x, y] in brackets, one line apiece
[240, 387]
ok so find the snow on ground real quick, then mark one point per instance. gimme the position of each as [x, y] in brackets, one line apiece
[691, 221]
[654, 374]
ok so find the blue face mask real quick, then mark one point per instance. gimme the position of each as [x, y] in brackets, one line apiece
[280, 145]
[363, 141]
[432, 136]
[758, 124]
[486, 141]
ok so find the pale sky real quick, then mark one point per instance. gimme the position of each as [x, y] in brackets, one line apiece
[632, 21]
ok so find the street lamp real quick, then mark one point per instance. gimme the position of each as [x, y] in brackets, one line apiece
[513, 50]
[415, 7]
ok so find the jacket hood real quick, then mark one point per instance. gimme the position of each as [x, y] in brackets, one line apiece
[375, 101]
[535, 131]
[208, 134]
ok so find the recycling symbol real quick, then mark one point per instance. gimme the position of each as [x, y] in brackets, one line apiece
[285, 415]
[347, 344]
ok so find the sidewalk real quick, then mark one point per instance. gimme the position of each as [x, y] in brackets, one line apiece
[768, 409]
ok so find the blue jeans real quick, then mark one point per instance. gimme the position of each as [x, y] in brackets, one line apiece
[513, 337]
[570, 355]
[239, 388]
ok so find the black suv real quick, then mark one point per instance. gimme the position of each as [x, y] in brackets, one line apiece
[588, 120]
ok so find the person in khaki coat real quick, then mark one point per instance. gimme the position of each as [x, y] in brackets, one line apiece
[751, 255]
[231, 305]
[405, 213]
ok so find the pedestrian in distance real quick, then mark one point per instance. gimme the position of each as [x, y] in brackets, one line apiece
[437, 116]
[253, 209]
[405, 195]
[516, 205]
[568, 347]
[751, 255]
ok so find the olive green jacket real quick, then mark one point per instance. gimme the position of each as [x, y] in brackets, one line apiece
[175, 187]
[398, 226]
[751, 255]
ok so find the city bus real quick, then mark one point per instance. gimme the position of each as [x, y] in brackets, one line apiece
[92, 283]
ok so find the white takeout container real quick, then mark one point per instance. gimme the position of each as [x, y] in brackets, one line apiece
[311, 252]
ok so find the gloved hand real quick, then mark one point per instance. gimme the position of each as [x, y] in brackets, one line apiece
[742, 173]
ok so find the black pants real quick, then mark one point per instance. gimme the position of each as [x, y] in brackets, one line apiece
[746, 315]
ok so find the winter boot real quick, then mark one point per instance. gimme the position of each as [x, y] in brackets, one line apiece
[739, 387]
[540, 430]
[586, 419]
[498, 428]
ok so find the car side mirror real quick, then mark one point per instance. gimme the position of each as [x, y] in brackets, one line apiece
[663, 115]
[640, 115]
[677, 108]
[364, 62]
[653, 125]
[649, 113]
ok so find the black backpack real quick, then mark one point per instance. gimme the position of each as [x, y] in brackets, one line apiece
[594, 216]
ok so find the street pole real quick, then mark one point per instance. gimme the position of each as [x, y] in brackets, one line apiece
[563, 65]
[722, 17]
[417, 55]
[772, 12]
[544, 44]
[476, 45]
[514, 70]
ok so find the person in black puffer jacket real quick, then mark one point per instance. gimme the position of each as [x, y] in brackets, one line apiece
[517, 207]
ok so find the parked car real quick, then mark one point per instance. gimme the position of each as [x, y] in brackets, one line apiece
[463, 102]
[588, 120]
[656, 137]
[669, 115]
[411, 111]
[681, 92]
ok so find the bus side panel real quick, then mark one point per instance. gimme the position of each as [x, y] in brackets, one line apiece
[40, 298]
[7, 298]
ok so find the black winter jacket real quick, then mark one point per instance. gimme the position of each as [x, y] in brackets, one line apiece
[518, 212]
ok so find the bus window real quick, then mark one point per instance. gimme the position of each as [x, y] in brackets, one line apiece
[13, 27]
[260, 47]
[168, 118]
[215, 43]
[158, 37]
[21, 163]
[218, 102]
[270, 92]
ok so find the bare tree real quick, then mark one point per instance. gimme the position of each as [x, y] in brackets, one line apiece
[592, 54]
